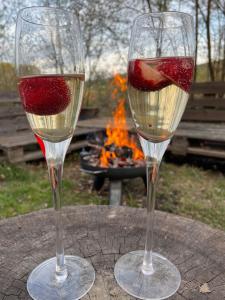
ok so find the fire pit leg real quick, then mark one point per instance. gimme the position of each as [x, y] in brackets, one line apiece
[98, 183]
[115, 195]
[145, 181]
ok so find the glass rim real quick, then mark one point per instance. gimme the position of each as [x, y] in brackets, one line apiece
[28, 8]
[157, 14]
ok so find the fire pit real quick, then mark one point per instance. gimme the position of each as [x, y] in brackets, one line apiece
[116, 155]
[115, 175]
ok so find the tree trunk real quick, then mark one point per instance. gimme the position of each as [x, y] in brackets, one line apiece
[223, 64]
[149, 5]
[210, 64]
[196, 37]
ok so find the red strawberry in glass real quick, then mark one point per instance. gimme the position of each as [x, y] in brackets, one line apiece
[158, 93]
[50, 102]
[41, 144]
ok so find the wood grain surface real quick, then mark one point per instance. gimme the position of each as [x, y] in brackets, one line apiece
[102, 234]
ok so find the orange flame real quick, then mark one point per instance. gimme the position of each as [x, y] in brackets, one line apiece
[117, 129]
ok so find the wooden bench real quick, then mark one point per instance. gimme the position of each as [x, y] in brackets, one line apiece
[201, 132]
[202, 129]
[17, 142]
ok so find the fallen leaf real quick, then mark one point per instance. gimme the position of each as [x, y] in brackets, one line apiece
[204, 289]
[2, 176]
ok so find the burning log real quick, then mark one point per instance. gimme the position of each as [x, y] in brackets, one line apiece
[95, 146]
[124, 152]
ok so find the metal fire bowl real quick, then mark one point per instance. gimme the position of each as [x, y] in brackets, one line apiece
[112, 173]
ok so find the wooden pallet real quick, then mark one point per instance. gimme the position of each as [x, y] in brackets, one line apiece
[206, 103]
[17, 142]
[24, 147]
[201, 131]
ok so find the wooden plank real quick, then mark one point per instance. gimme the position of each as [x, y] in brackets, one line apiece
[15, 155]
[202, 131]
[214, 132]
[11, 111]
[201, 151]
[206, 115]
[9, 100]
[202, 126]
[101, 123]
[77, 145]
[208, 87]
[208, 135]
[204, 102]
[22, 139]
[11, 126]
[33, 155]
[27, 138]
[198, 130]
[94, 123]
[84, 130]
[206, 152]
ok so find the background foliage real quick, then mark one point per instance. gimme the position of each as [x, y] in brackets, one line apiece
[106, 26]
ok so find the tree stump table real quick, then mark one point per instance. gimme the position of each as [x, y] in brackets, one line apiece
[102, 234]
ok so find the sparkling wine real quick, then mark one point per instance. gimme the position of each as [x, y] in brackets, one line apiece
[158, 93]
[52, 104]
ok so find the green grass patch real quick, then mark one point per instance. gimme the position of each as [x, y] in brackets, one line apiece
[192, 192]
[184, 190]
[26, 188]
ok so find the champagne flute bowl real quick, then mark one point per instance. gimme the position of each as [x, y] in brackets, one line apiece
[160, 71]
[50, 70]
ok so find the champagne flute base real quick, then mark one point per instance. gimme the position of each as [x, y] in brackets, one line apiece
[42, 283]
[161, 284]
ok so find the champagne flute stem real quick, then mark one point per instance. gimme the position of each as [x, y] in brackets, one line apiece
[152, 168]
[55, 169]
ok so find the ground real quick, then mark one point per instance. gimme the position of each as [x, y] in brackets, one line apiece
[183, 189]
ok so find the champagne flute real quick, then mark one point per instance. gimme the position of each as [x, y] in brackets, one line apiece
[50, 69]
[160, 70]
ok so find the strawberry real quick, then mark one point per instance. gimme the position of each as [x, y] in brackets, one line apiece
[155, 74]
[41, 143]
[142, 75]
[179, 70]
[44, 95]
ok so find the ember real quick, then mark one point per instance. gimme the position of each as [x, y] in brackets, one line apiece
[120, 149]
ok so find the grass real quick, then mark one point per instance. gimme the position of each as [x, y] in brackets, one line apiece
[184, 190]
[192, 192]
[26, 188]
